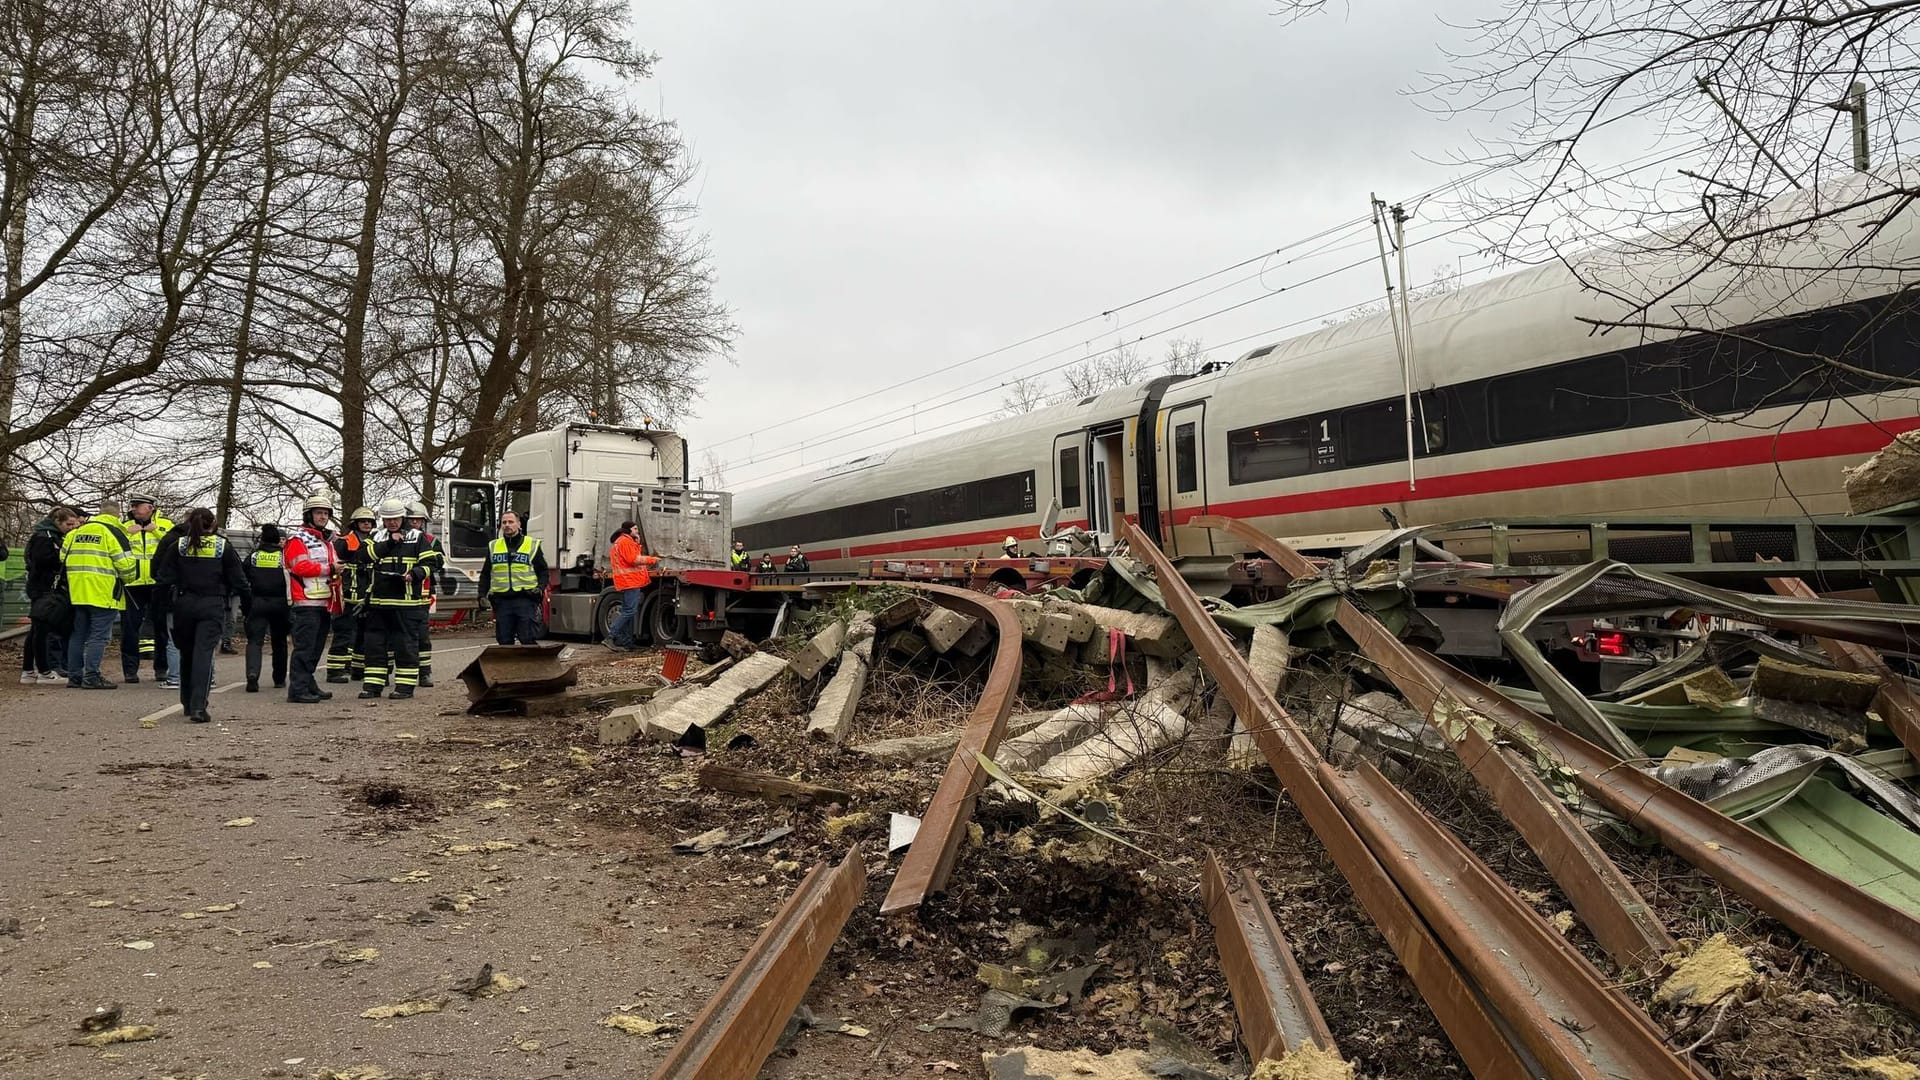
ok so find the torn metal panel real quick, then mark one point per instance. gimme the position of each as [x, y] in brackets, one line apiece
[1566, 1020]
[1276, 1008]
[1719, 648]
[1733, 719]
[740, 1024]
[1850, 840]
[1880, 625]
[1879, 942]
[1620, 918]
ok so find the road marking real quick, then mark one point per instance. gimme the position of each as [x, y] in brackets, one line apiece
[170, 710]
[176, 710]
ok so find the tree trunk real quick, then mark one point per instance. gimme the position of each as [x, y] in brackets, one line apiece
[249, 300]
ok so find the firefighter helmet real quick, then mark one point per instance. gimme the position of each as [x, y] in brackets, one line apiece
[392, 508]
[362, 514]
[417, 509]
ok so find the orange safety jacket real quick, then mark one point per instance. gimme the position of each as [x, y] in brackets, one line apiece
[630, 562]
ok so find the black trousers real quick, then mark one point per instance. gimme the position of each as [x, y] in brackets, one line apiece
[516, 618]
[309, 626]
[198, 623]
[391, 640]
[37, 653]
[137, 642]
[264, 623]
[347, 658]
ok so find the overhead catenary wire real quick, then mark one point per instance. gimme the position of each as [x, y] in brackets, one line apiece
[967, 390]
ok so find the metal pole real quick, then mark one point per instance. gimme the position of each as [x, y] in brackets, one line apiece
[1855, 103]
[1406, 351]
[1393, 314]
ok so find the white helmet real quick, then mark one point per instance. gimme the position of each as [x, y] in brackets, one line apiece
[319, 500]
[392, 508]
[416, 509]
[1009, 542]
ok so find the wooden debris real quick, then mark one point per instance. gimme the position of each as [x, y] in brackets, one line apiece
[768, 786]
[911, 748]
[832, 717]
[813, 657]
[589, 697]
[705, 705]
[944, 627]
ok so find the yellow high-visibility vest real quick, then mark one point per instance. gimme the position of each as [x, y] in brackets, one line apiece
[511, 571]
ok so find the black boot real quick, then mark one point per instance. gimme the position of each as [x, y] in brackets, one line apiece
[370, 693]
[253, 684]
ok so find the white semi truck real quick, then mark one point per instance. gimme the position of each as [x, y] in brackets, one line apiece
[572, 487]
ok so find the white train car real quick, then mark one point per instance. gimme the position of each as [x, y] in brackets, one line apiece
[1521, 409]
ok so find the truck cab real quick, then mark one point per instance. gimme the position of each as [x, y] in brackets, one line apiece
[572, 487]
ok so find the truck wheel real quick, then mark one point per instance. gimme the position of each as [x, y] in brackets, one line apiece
[604, 612]
[663, 620]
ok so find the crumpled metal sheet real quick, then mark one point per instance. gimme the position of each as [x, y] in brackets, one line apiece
[1745, 788]
[1645, 590]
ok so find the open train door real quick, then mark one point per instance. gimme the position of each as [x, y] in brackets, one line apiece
[1071, 483]
[1183, 480]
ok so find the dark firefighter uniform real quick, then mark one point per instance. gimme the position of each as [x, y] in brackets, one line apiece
[396, 610]
[347, 659]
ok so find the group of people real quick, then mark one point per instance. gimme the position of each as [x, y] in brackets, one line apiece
[796, 561]
[168, 588]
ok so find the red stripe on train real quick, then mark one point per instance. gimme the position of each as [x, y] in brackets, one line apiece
[1842, 441]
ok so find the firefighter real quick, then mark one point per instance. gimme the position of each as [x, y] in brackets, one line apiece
[346, 661]
[436, 562]
[197, 572]
[1010, 549]
[141, 628]
[396, 604]
[512, 581]
[266, 608]
[797, 561]
[740, 560]
[99, 562]
[313, 593]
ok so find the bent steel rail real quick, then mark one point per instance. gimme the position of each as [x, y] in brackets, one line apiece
[1276, 1008]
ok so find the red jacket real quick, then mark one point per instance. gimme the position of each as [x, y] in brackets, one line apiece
[313, 570]
[630, 562]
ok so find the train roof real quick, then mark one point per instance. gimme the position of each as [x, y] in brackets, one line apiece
[1523, 319]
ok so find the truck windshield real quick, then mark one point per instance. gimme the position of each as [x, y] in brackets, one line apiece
[470, 519]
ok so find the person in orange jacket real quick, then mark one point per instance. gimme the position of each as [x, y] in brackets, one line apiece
[630, 577]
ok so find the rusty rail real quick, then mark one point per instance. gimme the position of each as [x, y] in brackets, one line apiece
[1555, 1006]
[1896, 703]
[1613, 909]
[1277, 1012]
[740, 1024]
[929, 861]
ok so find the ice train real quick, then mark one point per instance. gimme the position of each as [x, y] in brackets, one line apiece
[1521, 408]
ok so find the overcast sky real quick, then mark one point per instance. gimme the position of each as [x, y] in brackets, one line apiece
[891, 188]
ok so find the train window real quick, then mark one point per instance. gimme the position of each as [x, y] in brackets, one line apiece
[1270, 451]
[1559, 401]
[1069, 477]
[1374, 433]
[1186, 464]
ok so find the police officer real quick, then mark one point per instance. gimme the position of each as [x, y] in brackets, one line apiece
[347, 660]
[511, 580]
[740, 560]
[435, 561]
[99, 563]
[266, 608]
[766, 565]
[140, 623]
[396, 604]
[197, 572]
[797, 561]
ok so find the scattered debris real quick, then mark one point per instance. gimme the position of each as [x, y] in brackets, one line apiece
[343, 957]
[101, 1018]
[1307, 1063]
[1715, 970]
[703, 843]
[638, 1025]
[125, 1034]
[1033, 1063]
[1883, 1067]
[997, 1011]
[138, 946]
[768, 786]
[239, 823]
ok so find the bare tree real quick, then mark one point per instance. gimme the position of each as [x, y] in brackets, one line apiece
[1121, 365]
[1184, 356]
[1024, 395]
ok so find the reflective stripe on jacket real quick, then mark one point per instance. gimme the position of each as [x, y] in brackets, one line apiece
[311, 567]
[630, 562]
[98, 565]
[512, 571]
[145, 544]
